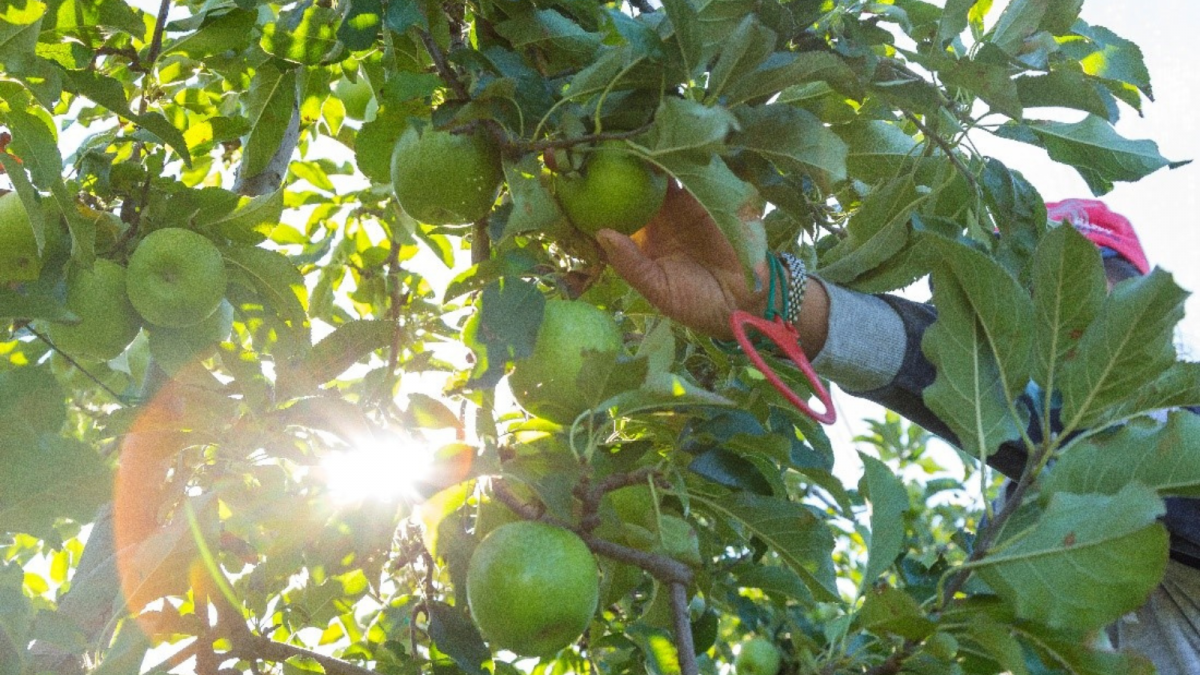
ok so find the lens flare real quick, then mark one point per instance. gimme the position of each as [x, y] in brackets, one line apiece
[387, 470]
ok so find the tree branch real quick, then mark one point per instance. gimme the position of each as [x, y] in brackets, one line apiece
[683, 630]
[443, 66]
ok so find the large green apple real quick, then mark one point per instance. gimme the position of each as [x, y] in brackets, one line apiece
[176, 278]
[759, 656]
[441, 178]
[546, 382]
[108, 322]
[615, 190]
[532, 587]
[19, 259]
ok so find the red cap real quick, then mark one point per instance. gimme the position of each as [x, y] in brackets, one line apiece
[1103, 227]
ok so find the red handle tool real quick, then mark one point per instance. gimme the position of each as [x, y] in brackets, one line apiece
[788, 340]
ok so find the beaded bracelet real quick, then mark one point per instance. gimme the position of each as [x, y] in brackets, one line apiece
[796, 288]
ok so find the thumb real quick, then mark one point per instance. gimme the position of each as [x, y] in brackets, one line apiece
[628, 260]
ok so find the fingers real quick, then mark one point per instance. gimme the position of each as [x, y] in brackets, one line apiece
[643, 273]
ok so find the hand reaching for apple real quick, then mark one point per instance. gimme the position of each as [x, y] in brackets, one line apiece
[684, 266]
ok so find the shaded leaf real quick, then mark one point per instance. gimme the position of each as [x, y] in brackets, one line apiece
[1131, 343]
[1164, 457]
[1085, 562]
[799, 538]
[1068, 290]
[457, 637]
[876, 232]
[792, 139]
[269, 104]
[785, 69]
[889, 502]
[891, 611]
[349, 344]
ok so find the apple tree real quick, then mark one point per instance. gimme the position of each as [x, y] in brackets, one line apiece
[381, 217]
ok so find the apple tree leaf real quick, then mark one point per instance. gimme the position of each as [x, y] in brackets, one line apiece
[269, 104]
[889, 502]
[1131, 343]
[456, 636]
[801, 539]
[1162, 456]
[792, 139]
[1087, 560]
[875, 233]
[1068, 290]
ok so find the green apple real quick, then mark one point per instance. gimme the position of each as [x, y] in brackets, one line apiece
[759, 656]
[546, 383]
[532, 588]
[615, 190]
[173, 348]
[176, 278]
[19, 260]
[441, 178]
[108, 322]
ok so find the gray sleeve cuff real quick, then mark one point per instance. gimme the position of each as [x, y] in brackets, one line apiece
[865, 345]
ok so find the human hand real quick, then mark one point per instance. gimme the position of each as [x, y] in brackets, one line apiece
[684, 266]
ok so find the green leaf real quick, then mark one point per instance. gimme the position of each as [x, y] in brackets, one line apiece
[457, 637]
[891, 611]
[800, 539]
[548, 30]
[1064, 89]
[968, 393]
[1017, 211]
[1068, 290]
[304, 35]
[1177, 387]
[269, 106]
[34, 304]
[889, 502]
[747, 47]
[19, 26]
[779, 581]
[404, 14]
[1094, 148]
[682, 126]
[251, 214]
[109, 93]
[534, 208]
[987, 76]
[875, 233]
[127, 652]
[1088, 560]
[274, 277]
[792, 139]
[510, 315]
[1130, 344]
[688, 37]
[1019, 20]
[1164, 457]
[1105, 55]
[48, 477]
[954, 20]
[361, 26]
[1060, 16]
[351, 343]
[877, 150]
[32, 402]
[785, 69]
[231, 31]
[604, 375]
[1085, 660]
[15, 614]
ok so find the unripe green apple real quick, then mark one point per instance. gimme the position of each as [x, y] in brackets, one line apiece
[759, 656]
[441, 178]
[546, 383]
[532, 587]
[176, 278]
[19, 259]
[108, 322]
[615, 190]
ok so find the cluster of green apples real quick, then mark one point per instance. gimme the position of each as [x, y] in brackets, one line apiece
[174, 285]
[447, 178]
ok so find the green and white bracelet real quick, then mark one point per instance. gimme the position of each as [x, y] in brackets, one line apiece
[798, 272]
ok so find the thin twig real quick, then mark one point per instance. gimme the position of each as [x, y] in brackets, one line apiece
[443, 66]
[946, 148]
[683, 630]
[481, 242]
[75, 363]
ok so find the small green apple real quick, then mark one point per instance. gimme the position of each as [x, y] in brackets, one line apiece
[176, 278]
[19, 260]
[108, 322]
[442, 178]
[759, 656]
[546, 383]
[532, 588]
[615, 190]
